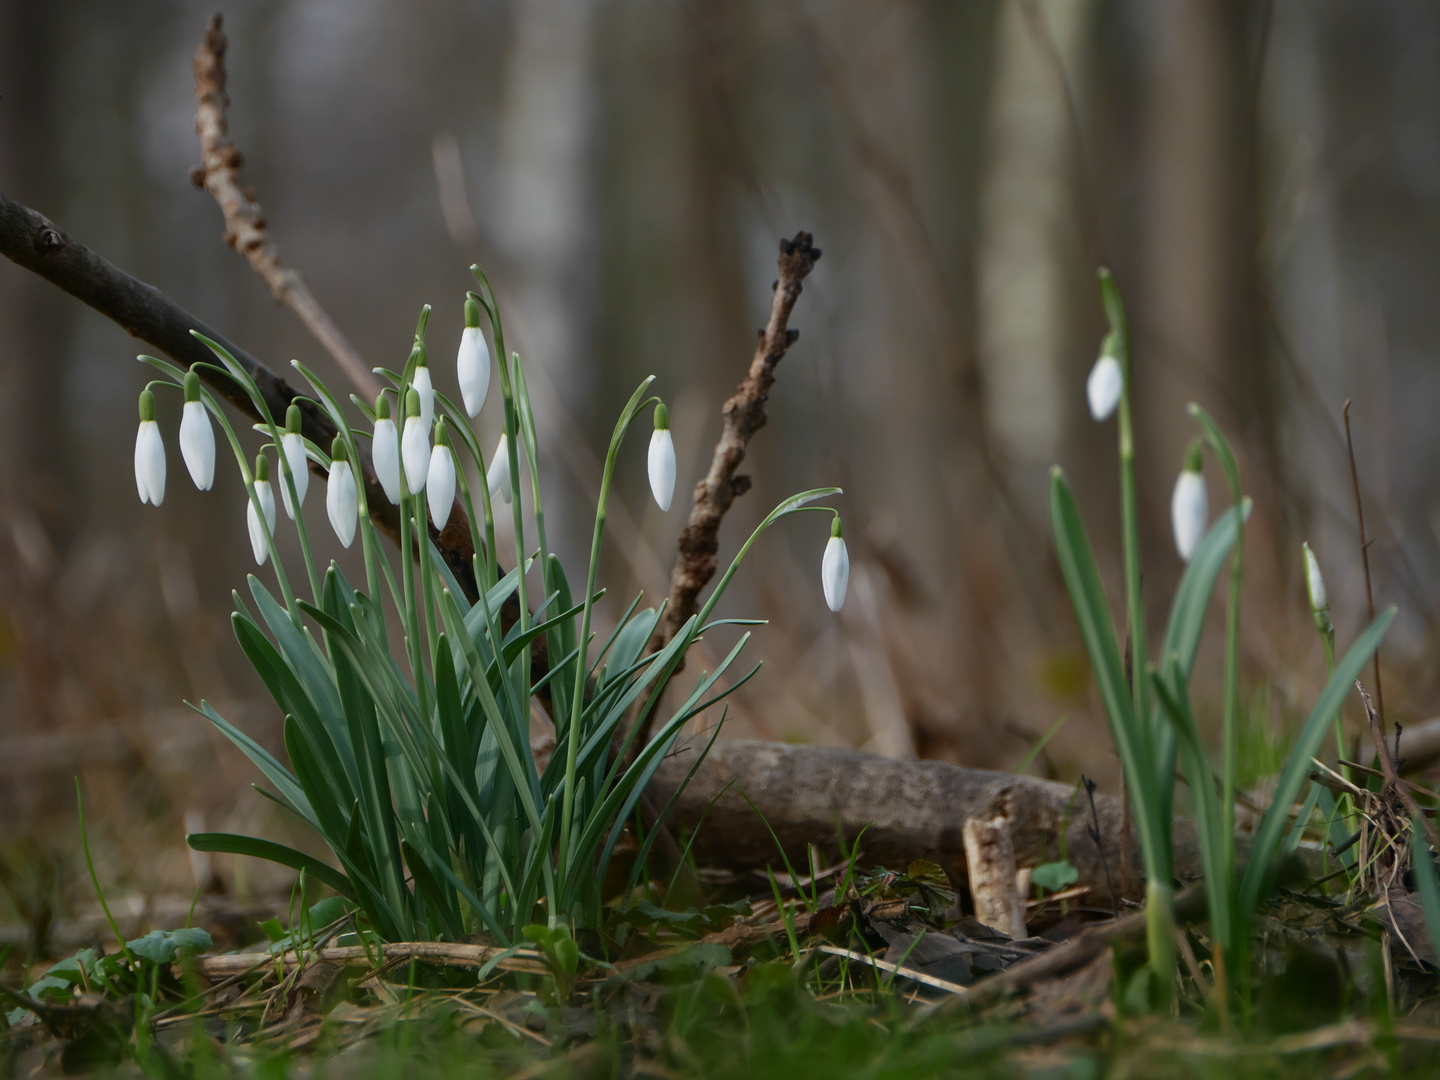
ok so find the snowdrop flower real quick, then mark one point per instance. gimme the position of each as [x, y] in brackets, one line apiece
[1105, 384]
[473, 361]
[662, 459]
[1190, 505]
[266, 498]
[341, 501]
[149, 454]
[498, 475]
[294, 444]
[197, 437]
[835, 568]
[420, 383]
[1314, 583]
[385, 450]
[440, 481]
[415, 444]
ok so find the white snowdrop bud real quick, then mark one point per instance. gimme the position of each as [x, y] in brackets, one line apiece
[498, 475]
[415, 444]
[197, 437]
[1105, 384]
[440, 481]
[662, 459]
[266, 497]
[294, 445]
[472, 363]
[341, 499]
[1314, 583]
[385, 451]
[420, 383]
[149, 454]
[1190, 504]
[835, 568]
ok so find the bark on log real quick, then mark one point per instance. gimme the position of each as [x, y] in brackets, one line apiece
[990, 863]
[913, 809]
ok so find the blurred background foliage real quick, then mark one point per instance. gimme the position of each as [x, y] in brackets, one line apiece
[1263, 177]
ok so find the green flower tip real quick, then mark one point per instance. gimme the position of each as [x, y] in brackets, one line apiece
[147, 406]
[472, 311]
[192, 386]
[262, 467]
[412, 403]
[442, 433]
[662, 417]
[422, 357]
[338, 451]
[292, 419]
[835, 526]
[382, 407]
[1195, 456]
[1107, 346]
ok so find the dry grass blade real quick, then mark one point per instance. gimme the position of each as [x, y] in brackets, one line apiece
[894, 969]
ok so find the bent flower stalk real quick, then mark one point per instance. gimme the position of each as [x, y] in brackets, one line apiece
[197, 437]
[662, 459]
[149, 454]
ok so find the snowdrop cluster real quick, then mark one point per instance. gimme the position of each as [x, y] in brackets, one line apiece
[415, 458]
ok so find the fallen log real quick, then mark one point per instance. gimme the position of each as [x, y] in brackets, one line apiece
[907, 809]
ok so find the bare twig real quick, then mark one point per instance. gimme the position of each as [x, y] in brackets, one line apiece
[31, 240]
[744, 415]
[245, 226]
[1094, 833]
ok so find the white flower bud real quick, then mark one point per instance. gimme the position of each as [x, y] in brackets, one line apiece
[472, 364]
[1190, 507]
[498, 475]
[440, 484]
[197, 437]
[662, 459]
[341, 498]
[149, 454]
[385, 451]
[1104, 386]
[1314, 583]
[420, 383]
[266, 498]
[835, 568]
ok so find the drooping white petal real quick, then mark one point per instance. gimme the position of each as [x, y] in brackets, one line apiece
[415, 453]
[294, 446]
[440, 485]
[1189, 513]
[662, 467]
[150, 463]
[473, 366]
[385, 451]
[1319, 598]
[197, 444]
[835, 572]
[257, 531]
[1104, 386]
[498, 475]
[423, 386]
[341, 501]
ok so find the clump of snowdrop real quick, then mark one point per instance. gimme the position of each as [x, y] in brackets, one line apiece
[662, 459]
[1106, 382]
[835, 568]
[385, 450]
[293, 444]
[341, 499]
[149, 453]
[1190, 504]
[259, 531]
[472, 365]
[197, 437]
[440, 479]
